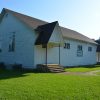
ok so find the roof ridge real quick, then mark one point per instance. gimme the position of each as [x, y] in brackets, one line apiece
[24, 15]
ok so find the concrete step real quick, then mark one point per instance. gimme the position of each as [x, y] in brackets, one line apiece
[55, 68]
[51, 68]
[59, 67]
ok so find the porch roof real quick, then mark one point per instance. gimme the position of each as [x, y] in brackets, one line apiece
[45, 32]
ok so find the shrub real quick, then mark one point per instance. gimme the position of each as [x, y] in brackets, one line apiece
[42, 68]
[17, 67]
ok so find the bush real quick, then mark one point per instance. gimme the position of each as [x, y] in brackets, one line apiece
[2, 66]
[17, 67]
[42, 68]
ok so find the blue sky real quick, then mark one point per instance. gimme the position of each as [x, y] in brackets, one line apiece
[80, 15]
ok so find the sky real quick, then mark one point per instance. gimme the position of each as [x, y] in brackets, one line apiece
[79, 15]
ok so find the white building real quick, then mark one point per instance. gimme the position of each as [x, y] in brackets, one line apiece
[30, 41]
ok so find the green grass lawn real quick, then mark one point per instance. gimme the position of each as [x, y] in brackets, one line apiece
[83, 69]
[48, 86]
[98, 73]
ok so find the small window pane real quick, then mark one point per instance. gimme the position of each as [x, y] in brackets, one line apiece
[89, 48]
[67, 45]
[12, 44]
[79, 51]
[79, 47]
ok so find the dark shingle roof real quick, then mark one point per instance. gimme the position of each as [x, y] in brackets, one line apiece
[45, 33]
[34, 23]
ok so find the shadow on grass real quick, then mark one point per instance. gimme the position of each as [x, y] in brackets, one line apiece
[8, 74]
[84, 66]
[90, 66]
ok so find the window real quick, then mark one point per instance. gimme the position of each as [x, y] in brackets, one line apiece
[12, 44]
[67, 45]
[90, 49]
[6, 15]
[79, 51]
[79, 47]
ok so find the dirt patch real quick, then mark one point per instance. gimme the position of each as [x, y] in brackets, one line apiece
[82, 73]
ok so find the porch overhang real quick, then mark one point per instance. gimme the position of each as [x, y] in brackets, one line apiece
[46, 36]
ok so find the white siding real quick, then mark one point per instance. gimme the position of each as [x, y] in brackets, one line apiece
[39, 55]
[56, 36]
[69, 56]
[52, 55]
[24, 42]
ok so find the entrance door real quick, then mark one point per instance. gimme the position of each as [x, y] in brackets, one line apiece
[53, 55]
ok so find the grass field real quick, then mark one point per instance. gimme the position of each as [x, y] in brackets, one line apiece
[48, 86]
[83, 69]
[98, 73]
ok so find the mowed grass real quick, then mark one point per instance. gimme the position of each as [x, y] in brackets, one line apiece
[83, 68]
[48, 86]
[98, 73]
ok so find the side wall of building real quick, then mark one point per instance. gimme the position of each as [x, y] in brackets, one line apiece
[24, 42]
[69, 56]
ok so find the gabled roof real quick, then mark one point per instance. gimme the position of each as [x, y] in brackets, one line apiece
[30, 21]
[34, 23]
[45, 33]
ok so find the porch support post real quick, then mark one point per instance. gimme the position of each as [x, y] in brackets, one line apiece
[46, 53]
[59, 54]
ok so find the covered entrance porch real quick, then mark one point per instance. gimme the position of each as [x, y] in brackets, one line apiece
[48, 44]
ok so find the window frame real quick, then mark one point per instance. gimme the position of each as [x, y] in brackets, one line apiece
[79, 51]
[79, 48]
[90, 49]
[67, 45]
[12, 44]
